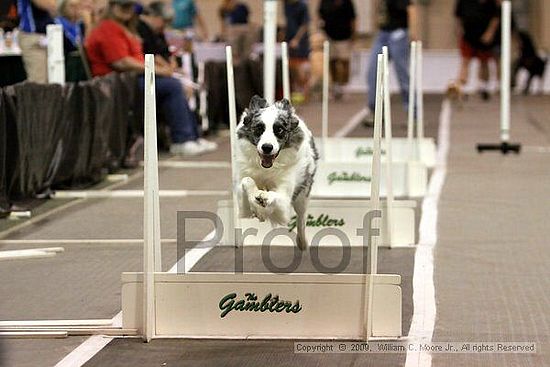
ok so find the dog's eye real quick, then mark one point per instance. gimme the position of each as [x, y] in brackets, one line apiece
[278, 130]
[259, 129]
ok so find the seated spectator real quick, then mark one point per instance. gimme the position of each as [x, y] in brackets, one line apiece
[151, 26]
[113, 46]
[151, 30]
[75, 21]
[235, 29]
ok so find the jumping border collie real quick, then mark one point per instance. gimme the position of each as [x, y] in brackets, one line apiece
[277, 160]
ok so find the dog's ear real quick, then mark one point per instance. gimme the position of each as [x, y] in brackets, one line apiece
[294, 122]
[246, 117]
[285, 105]
[257, 103]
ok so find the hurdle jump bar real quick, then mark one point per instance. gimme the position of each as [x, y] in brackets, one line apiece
[126, 194]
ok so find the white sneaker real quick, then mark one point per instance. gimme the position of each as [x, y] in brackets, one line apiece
[188, 149]
[209, 146]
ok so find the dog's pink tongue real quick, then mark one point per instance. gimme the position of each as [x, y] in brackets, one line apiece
[267, 160]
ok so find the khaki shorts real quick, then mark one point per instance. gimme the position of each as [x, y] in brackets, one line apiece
[340, 50]
[35, 57]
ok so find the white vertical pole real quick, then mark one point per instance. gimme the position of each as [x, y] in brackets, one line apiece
[388, 146]
[505, 71]
[375, 188]
[205, 124]
[286, 74]
[151, 220]
[326, 81]
[56, 56]
[419, 93]
[412, 89]
[233, 138]
[270, 39]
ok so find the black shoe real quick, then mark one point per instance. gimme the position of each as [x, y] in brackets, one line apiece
[485, 95]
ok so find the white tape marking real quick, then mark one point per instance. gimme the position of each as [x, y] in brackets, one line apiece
[423, 321]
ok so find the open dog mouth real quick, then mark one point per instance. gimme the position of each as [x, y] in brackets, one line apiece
[267, 159]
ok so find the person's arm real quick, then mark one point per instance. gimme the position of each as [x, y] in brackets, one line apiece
[202, 26]
[128, 63]
[412, 13]
[489, 33]
[459, 29]
[353, 17]
[223, 28]
[48, 5]
[295, 41]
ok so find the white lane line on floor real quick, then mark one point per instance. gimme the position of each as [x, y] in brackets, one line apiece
[423, 320]
[351, 124]
[94, 344]
[192, 164]
[65, 241]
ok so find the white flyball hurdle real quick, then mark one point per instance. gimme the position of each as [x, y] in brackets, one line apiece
[344, 169]
[254, 305]
[360, 149]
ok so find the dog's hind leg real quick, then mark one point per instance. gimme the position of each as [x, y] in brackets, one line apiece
[300, 207]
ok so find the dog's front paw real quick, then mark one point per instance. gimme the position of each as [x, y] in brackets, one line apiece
[264, 199]
[262, 205]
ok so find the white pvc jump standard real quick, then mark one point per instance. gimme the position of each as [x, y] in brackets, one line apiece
[56, 56]
[504, 146]
[270, 39]
[201, 305]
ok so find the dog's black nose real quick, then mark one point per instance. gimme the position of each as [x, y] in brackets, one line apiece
[267, 148]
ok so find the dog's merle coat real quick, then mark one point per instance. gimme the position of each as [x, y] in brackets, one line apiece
[277, 163]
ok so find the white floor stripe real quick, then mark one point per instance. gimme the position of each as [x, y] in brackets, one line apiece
[117, 241]
[351, 124]
[193, 164]
[94, 344]
[423, 321]
[126, 194]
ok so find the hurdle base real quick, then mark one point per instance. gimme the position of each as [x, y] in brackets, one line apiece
[504, 147]
[191, 305]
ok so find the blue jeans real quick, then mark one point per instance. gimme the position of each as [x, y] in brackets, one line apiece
[398, 48]
[173, 103]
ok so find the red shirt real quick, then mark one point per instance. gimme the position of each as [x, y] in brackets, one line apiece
[108, 43]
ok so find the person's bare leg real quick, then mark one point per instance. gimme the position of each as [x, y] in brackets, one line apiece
[464, 71]
[484, 79]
